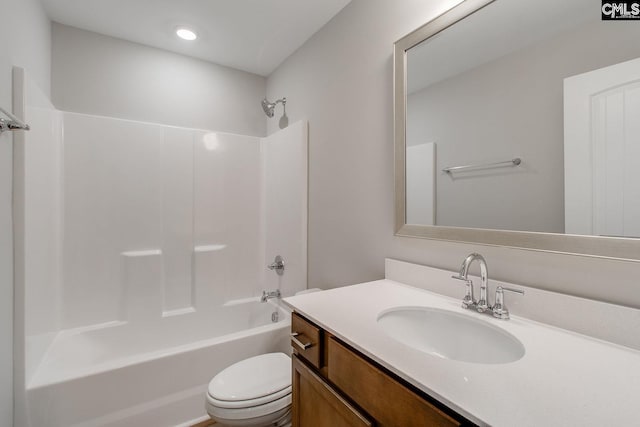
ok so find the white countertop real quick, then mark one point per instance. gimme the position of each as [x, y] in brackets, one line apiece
[564, 378]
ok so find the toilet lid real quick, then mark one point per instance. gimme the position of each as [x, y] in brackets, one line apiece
[252, 378]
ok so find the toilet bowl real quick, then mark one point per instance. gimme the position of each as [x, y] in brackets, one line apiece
[254, 392]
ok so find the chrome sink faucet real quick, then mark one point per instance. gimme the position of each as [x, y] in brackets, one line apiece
[482, 304]
[499, 309]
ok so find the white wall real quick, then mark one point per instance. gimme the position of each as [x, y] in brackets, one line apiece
[341, 81]
[96, 74]
[37, 166]
[139, 220]
[530, 126]
[284, 207]
[173, 199]
[25, 32]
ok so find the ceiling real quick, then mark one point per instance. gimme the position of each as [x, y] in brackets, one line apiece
[497, 30]
[250, 35]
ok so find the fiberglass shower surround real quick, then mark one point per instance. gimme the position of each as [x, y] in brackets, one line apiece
[191, 209]
[144, 230]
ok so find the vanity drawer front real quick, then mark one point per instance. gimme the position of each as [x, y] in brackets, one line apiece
[317, 404]
[306, 340]
[373, 390]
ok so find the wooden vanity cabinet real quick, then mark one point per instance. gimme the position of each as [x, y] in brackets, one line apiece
[336, 386]
[317, 404]
[310, 336]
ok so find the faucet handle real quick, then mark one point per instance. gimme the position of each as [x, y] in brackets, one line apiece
[277, 265]
[468, 299]
[500, 309]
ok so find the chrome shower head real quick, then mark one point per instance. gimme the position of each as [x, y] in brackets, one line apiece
[269, 107]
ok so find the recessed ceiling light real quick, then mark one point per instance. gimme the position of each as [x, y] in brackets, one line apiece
[186, 34]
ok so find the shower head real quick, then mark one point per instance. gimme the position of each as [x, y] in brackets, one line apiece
[269, 107]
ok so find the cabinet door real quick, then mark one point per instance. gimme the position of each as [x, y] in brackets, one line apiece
[383, 397]
[317, 404]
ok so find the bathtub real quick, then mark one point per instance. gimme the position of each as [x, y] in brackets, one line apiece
[125, 374]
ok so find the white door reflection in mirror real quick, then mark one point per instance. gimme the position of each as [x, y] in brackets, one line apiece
[602, 151]
[421, 183]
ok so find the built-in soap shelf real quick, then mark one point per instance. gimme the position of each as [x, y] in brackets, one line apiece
[144, 284]
[209, 248]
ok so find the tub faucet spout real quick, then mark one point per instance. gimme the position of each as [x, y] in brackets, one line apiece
[266, 296]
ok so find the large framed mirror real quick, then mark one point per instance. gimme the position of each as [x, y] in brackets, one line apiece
[517, 123]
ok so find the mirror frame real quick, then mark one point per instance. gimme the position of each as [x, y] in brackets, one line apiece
[593, 246]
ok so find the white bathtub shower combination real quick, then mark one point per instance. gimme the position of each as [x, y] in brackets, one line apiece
[144, 253]
[126, 376]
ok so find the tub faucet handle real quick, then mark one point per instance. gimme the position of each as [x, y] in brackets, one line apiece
[277, 265]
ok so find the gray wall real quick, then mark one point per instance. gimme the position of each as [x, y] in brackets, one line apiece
[96, 74]
[26, 41]
[341, 81]
[510, 107]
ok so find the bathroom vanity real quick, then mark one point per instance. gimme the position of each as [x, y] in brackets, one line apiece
[350, 368]
[336, 385]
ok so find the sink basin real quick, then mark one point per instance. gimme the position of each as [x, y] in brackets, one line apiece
[450, 335]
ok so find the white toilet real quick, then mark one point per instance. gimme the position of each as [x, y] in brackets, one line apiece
[254, 392]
